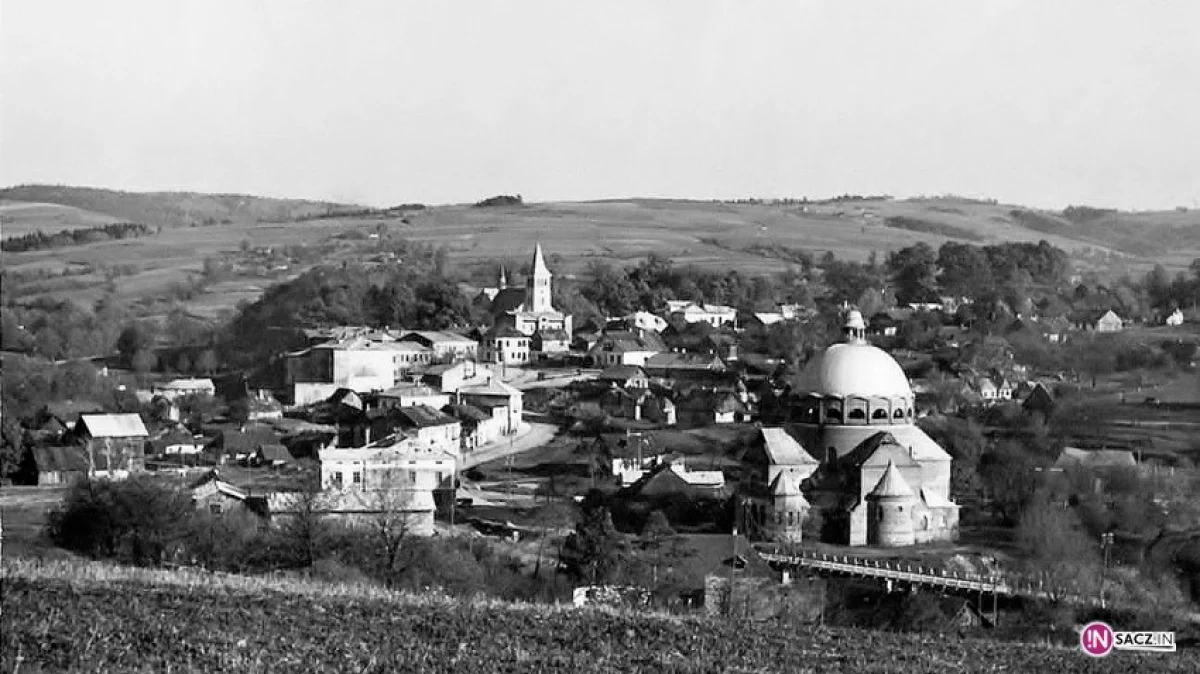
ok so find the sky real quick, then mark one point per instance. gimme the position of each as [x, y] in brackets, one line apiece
[383, 102]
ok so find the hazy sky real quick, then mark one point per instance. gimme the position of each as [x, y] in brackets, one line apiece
[379, 102]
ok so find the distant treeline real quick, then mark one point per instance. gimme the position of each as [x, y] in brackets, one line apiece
[389, 212]
[74, 237]
[500, 200]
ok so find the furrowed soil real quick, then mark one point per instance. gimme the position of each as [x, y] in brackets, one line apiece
[94, 618]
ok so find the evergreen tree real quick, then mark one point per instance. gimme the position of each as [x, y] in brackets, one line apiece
[594, 552]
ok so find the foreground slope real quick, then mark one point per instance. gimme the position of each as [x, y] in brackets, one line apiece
[81, 617]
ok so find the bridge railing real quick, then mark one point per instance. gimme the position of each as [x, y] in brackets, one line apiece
[1006, 584]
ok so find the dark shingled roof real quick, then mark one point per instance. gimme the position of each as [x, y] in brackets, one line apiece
[424, 416]
[466, 413]
[508, 299]
[235, 441]
[275, 453]
[53, 459]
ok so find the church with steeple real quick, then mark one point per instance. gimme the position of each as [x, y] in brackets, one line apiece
[530, 309]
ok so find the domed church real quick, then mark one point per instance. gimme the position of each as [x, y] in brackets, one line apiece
[878, 479]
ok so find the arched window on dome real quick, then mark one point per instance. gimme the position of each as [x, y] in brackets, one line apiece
[879, 413]
[856, 411]
[898, 414]
[910, 413]
[833, 411]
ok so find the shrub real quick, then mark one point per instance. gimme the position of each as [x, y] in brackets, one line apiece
[138, 520]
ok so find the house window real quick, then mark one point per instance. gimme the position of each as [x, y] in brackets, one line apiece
[412, 476]
[440, 476]
[336, 480]
[357, 478]
[214, 508]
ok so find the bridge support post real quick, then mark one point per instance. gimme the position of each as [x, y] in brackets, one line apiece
[995, 609]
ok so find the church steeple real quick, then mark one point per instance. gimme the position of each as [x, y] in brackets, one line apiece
[537, 286]
[503, 278]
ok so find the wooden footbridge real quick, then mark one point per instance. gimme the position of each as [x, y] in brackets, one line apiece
[896, 574]
[901, 573]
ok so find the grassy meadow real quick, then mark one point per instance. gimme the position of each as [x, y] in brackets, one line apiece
[94, 617]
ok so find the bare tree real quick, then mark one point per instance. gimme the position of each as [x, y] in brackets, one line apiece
[391, 524]
[553, 515]
[303, 526]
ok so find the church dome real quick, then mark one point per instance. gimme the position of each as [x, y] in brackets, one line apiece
[854, 369]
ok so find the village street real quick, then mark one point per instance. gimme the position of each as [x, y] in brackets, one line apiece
[533, 434]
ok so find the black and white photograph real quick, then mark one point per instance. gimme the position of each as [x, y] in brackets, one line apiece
[677, 336]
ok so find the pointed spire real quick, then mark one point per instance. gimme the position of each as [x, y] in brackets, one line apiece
[539, 262]
[503, 278]
[891, 484]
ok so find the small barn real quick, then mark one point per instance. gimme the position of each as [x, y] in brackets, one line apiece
[47, 464]
[273, 455]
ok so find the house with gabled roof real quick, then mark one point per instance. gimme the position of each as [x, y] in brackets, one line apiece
[357, 363]
[176, 441]
[177, 388]
[241, 443]
[1099, 320]
[503, 401]
[715, 315]
[407, 395]
[1039, 401]
[45, 464]
[675, 480]
[624, 376]
[218, 497]
[505, 345]
[443, 345]
[273, 456]
[431, 428]
[624, 348]
[115, 444]
[479, 426]
[450, 377]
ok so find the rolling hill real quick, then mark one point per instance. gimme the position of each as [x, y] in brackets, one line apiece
[168, 209]
[751, 237]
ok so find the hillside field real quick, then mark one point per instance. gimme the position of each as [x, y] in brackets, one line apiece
[91, 617]
[749, 237]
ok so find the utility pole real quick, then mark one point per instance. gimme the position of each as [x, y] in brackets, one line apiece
[732, 566]
[1106, 542]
